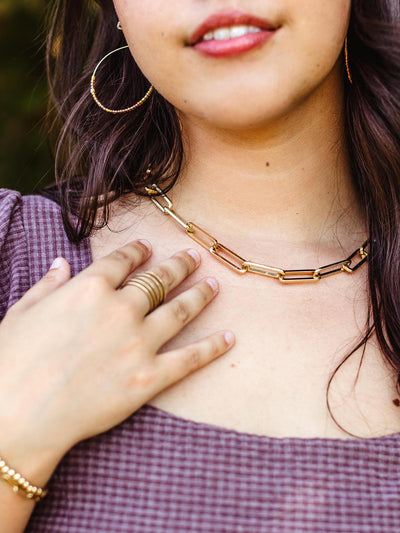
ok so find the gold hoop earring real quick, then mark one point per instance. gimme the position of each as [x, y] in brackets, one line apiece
[346, 58]
[93, 89]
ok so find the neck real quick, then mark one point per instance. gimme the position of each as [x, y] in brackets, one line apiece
[286, 182]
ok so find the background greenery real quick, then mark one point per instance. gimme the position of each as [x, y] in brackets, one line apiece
[25, 160]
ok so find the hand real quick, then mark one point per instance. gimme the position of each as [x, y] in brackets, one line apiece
[78, 356]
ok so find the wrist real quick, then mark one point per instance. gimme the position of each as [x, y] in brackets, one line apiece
[19, 484]
[35, 466]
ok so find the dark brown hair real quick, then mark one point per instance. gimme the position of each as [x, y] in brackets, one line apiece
[100, 157]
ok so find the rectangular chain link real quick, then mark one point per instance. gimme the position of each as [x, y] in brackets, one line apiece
[241, 265]
[299, 276]
[331, 269]
[229, 257]
[362, 253]
[167, 209]
[201, 236]
[263, 270]
[220, 251]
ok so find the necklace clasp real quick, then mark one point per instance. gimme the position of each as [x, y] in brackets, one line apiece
[155, 189]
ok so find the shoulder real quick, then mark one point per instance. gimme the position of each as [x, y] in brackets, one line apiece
[31, 236]
[28, 221]
[18, 212]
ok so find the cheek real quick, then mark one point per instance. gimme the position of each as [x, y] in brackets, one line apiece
[150, 36]
[320, 26]
[317, 29]
[144, 23]
[309, 46]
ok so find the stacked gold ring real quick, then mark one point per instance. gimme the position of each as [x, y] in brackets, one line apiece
[152, 285]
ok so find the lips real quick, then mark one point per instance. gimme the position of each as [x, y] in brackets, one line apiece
[227, 19]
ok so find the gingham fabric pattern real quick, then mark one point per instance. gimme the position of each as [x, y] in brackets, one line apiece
[159, 473]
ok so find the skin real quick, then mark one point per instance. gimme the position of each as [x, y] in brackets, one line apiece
[278, 76]
[266, 172]
[281, 104]
[66, 379]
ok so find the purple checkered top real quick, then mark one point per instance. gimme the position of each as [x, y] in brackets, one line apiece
[172, 475]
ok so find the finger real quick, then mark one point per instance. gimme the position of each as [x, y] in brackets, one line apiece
[171, 272]
[169, 319]
[58, 274]
[115, 267]
[171, 367]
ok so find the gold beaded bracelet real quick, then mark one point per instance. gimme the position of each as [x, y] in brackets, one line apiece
[20, 484]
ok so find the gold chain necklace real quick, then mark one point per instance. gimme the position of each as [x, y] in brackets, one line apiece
[241, 265]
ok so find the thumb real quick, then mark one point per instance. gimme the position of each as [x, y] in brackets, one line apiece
[58, 274]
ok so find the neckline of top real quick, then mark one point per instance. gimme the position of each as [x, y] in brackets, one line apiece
[266, 439]
[349, 441]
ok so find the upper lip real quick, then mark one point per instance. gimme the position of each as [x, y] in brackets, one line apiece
[228, 18]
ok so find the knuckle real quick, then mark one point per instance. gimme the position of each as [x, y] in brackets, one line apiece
[166, 275]
[187, 262]
[193, 358]
[216, 346]
[122, 255]
[142, 248]
[94, 285]
[205, 293]
[142, 379]
[181, 312]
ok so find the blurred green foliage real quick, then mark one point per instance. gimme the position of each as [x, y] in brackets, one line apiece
[25, 160]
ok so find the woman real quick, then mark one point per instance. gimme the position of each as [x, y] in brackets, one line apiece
[273, 126]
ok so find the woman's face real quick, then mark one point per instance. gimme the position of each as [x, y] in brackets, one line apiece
[288, 50]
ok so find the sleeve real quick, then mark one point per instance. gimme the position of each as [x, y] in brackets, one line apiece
[14, 259]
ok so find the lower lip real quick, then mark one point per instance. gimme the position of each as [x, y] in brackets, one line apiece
[234, 47]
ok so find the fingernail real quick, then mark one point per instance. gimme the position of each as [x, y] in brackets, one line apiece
[56, 263]
[146, 244]
[229, 338]
[195, 254]
[213, 284]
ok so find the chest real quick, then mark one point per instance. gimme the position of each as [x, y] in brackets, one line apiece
[289, 342]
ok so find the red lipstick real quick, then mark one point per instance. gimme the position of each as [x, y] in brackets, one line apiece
[232, 46]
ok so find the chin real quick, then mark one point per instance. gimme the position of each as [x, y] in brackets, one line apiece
[244, 110]
[241, 118]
